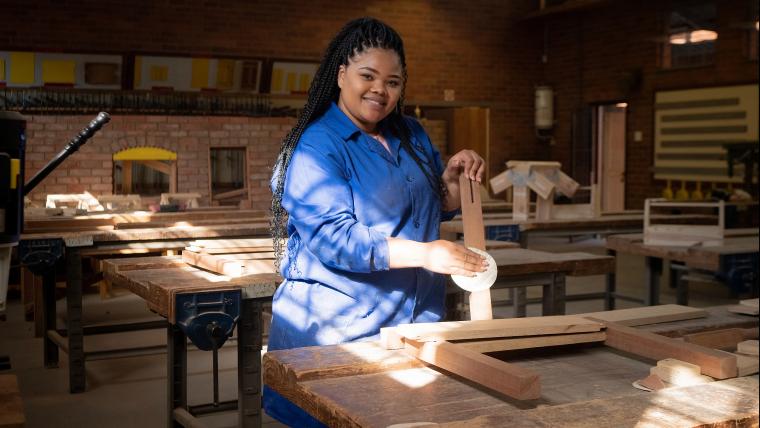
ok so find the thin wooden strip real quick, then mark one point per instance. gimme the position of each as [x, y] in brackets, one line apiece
[474, 237]
[226, 266]
[502, 377]
[232, 243]
[718, 364]
[648, 315]
[498, 345]
[510, 327]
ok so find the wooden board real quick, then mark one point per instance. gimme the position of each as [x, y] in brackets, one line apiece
[718, 364]
[474, 237]
[508, 379]
[529, 342]
[648, 315]
[510, 327]
[718, 318]
[232, 267]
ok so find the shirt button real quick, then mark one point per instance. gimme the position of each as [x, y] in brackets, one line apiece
[417, 224]
[409, 178]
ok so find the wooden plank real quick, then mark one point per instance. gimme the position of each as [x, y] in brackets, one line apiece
[474, 237]
[510, 327]
[520, 261]
[232, 243]
[501, 182]
[11, 406]
[746, 365]
[718, 364]
[498, 345]
[228, 266]
[499, 376]
[648, 315]
[747, 347]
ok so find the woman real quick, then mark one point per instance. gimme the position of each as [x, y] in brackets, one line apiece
[364, 193]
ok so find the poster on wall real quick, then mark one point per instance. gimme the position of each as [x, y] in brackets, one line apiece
[68, 70]
[292, 77]
[196, 74]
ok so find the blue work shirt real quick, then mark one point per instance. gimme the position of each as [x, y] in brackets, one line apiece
[345, 194]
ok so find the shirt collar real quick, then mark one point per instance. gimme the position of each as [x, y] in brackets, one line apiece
[340, 123]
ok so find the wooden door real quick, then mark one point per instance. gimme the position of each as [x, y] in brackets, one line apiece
[469, 129]
[612, 146]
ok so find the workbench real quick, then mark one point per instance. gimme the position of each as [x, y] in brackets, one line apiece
[735, 262]
[519, 268]
[500, 226]
[43, 249]
[180, 293]
[365, 385]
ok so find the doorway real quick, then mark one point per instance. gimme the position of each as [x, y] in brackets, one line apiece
[608, 124]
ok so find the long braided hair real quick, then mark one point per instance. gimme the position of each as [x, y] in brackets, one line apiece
[355, 37]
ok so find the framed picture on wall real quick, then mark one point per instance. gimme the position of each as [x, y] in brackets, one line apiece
[290, 77]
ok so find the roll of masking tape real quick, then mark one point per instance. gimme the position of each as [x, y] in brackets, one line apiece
[482, 280]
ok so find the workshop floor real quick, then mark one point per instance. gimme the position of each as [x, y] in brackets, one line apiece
[130, 392]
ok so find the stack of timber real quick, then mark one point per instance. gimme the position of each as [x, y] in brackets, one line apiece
[231, 257]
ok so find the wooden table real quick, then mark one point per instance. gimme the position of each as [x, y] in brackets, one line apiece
[519, 268]
[364, 385]
[172, 289]
[73, 246]
[500, 226]
[730, 261]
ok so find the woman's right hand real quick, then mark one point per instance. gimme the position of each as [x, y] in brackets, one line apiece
[446, 257]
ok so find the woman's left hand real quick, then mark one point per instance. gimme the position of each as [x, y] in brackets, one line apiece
[466, 162]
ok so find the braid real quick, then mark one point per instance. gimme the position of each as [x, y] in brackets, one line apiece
[355, 37]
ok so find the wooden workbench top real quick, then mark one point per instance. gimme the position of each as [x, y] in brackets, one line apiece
[362, 384]
[697, 256]
[520, 261]
[158, 280]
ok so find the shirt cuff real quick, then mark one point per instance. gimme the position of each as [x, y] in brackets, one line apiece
[379, 259]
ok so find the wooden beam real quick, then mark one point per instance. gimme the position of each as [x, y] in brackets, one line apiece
[718, 364]
[474, 236]
[498, 328]
[508, 379]
[648, 315]
[498, 345]
[159, 166]
[726, 339]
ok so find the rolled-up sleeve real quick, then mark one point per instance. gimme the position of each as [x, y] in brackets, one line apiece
[319, 202]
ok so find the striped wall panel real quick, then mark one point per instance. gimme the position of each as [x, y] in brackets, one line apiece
[692, 126]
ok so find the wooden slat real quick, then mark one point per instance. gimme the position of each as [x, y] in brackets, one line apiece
[718, 364]
[498, 345]
[648, 315]
[474, 237]
[502, 377]
[510, 327]
[228, 266]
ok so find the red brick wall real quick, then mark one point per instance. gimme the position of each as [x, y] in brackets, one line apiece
[91, 168]
[589, 54]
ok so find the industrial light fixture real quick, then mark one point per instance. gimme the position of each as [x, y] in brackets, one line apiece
[691, 37]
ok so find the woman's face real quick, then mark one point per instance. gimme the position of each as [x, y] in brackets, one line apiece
[370, 86]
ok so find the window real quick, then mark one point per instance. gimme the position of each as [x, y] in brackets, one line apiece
[228, 175]
[146, 171]
[690, 36]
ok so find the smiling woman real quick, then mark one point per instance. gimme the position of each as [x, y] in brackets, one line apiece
[364, 192]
